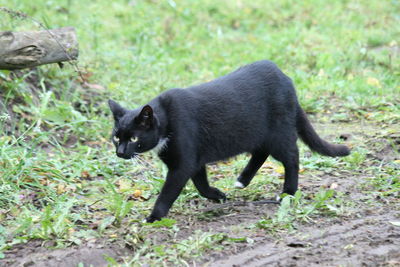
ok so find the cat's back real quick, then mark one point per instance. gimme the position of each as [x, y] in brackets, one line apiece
[263, 76]
[262, 68]
[249, 86]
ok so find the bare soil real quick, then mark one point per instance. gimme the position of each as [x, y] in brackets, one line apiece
[367, 241]
[34, 254]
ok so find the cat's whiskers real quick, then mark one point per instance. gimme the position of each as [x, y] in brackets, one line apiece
[135, 161]
[143, 161]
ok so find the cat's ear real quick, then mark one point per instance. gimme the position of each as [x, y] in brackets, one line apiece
[145, 117]
[116, 109]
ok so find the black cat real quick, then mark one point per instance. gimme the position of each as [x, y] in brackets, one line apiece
[253, 109]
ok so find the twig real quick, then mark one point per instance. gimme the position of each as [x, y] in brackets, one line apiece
[97, 201]
[240, 203]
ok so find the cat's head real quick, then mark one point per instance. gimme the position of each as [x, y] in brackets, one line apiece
[135, 131]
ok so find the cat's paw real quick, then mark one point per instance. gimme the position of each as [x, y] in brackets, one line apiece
[239, 185]
[217, 195]
[222, 197]
[151, 219]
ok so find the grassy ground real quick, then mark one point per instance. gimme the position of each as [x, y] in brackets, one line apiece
[61, 186]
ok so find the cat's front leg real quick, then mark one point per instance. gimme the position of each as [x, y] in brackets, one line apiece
[175, 181]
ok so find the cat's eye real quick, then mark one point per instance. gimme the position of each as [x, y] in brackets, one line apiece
[115, 139]
[134, 139]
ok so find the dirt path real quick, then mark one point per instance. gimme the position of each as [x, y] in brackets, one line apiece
[32, 254]
[368, 241]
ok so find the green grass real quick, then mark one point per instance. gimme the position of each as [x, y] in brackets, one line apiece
[296, 208]
[59, 177]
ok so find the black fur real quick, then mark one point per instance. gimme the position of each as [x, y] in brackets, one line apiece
[253, 109]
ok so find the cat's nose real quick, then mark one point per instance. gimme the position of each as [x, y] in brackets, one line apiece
[120, 151]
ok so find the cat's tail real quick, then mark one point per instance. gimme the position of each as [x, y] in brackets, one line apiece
[311, 138]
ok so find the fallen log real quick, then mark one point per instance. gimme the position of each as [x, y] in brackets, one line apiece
[19, 50]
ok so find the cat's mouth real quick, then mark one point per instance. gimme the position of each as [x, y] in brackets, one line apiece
[125, 156]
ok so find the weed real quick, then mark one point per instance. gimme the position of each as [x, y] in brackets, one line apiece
[116, 203]
[295, 209]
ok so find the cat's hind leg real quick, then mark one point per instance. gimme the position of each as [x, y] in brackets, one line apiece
[256, 161]
[289, 156]
[205, 190]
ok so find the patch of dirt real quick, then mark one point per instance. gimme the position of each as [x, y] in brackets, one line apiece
[368, 241]
[225, 220]
[33, 254]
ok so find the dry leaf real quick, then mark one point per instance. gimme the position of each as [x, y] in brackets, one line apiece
[373, 82]
[93, 86]
[268, 165]
[280, 169]
[85, 174]
[60, 189]
[137, 193]
[44, 182]
[71, 231]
